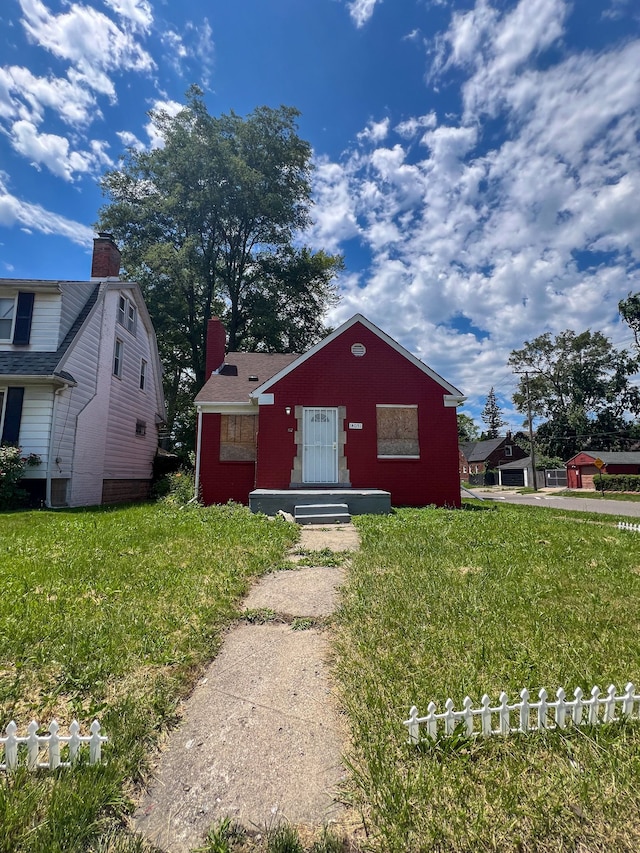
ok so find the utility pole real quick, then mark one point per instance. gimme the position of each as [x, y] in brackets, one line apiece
[533, 452]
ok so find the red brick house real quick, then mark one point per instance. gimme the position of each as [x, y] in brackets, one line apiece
[581, 469]
[357, 411]
[476, 458]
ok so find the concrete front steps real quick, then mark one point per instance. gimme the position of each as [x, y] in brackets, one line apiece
[322, 514]
[328, 502]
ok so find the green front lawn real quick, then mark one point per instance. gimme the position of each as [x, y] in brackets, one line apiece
[445, 604]
[111, 613]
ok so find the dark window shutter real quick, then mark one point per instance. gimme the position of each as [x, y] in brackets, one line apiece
[12, 415]
[24, 313]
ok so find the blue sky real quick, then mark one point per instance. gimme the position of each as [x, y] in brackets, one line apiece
[477, 163]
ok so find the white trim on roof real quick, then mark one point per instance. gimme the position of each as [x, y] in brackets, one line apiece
[226, 408]
[357, 318]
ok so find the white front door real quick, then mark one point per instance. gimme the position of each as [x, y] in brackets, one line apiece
[320, 446]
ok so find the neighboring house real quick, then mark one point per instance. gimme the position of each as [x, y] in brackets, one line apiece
[478, 459]
[80, 384]
[357, 411]
[519, 473]
[581, 469]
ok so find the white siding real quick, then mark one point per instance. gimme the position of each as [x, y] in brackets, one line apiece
[81, 417]
[35, 425]
[45, 321]
[127, 455]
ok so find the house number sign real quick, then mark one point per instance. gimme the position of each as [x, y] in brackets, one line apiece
[355, 426]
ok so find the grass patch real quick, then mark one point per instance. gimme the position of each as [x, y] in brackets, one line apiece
[443, 604]
[613, 496]
[325, 557]
[112, 612]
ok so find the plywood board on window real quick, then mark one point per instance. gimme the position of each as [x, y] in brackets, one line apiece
[397, 430]
[238, 438]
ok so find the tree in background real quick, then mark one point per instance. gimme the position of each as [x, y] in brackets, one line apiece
[492, 416]
[630, 312]
[467, 429]
[207, 224]
[581, 385]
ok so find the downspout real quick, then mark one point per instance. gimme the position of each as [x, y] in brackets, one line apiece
[196, 495]
[47, 493]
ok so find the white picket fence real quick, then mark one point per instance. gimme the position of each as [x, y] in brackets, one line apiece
[529, 716]
[34, 744]
[626, 525]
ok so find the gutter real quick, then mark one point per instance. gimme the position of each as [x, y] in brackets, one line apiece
[56, 394]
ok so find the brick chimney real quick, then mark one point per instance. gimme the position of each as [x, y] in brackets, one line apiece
[106, 257]
[216, 345]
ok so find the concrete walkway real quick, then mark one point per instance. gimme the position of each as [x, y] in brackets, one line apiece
[260, 739]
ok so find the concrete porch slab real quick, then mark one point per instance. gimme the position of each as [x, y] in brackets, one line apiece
[359, 501]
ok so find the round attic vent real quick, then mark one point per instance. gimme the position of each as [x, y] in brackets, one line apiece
[358, 350]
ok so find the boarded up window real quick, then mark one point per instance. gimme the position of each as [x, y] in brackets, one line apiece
[238, 438]
[397, 431]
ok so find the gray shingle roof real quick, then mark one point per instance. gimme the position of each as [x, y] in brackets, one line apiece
[478, 451]
[16, 363]
[229, 388]
[615, 457]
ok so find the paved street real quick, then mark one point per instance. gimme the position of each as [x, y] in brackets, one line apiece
[596, 504]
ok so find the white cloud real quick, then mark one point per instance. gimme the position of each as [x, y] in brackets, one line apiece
[24, 95]
[16, 211]
[130, 140]
[137, 12]
[501, 232]
[88, 39]
[53, 151]
[375, 131]
[361, 11]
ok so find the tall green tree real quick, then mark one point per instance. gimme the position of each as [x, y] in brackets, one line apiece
[467, 428]
[492, 416]
[208, 224]
[581, 385]
[630, 312]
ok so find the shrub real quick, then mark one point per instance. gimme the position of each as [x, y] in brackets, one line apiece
[617, 482]
[180, 488]
[12, 465]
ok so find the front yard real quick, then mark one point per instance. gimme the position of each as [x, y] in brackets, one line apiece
[112, 612]
[447, 604]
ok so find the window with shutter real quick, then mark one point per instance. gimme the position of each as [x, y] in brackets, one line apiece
[24, 314]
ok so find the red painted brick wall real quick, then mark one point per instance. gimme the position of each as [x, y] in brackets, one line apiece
[334, 377]
[221, 481]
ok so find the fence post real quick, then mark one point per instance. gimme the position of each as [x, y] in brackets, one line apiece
[627, 705]
[95, 744]
[449, 720]
[561, 708]
[504, 714]
[577, 706]
[74, 740]
[610, 704]
[33, 745]
[594, 705]
[524, 710]
[468, 716]
[485, 716]
[542, 710]
[54, 746]
[11, 747]
[413, 725]
[432, 723]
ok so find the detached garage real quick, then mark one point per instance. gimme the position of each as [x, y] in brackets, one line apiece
[581, 468]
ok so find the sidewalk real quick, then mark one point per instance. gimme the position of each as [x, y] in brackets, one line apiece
[260, 739]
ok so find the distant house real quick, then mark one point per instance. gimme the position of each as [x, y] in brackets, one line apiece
[477, 460]
[357, 411]
[581, 468]
[80, 384]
